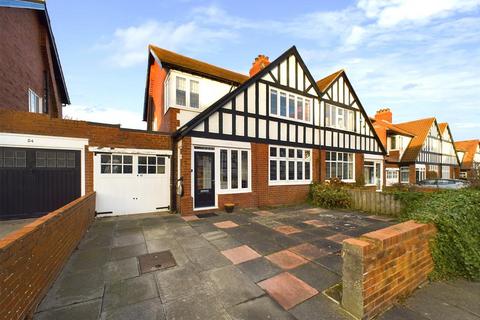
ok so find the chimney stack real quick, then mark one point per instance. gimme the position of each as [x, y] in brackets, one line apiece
[258, 64]
[384, 114]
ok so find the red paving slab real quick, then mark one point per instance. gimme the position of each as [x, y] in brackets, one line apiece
[226, 224]
[316, 223]
[190, 218]
[286, 259]
[263, 213]
[309, 251]
[287, 290]
[240, 254]
[314, 210]
[338, 237]
[287, 229]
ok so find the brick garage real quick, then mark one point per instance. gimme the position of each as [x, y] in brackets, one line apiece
[98, 134]
[32, 257]
[382, 266]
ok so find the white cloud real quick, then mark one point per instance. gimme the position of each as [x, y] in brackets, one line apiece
[390, 13]
[126, 118]
[129, 45]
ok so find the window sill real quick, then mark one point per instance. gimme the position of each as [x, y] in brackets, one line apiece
[288, 183]
[231, 191]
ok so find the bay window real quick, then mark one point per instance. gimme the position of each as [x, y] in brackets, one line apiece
[289, 165]
[404, 174]
[339, 165]
[234, 170]
[291, 106]
[340, 118]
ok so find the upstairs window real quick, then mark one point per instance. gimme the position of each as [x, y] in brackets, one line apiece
[34, 102]
[181, 92]
[194, 94]
[290, 106]
[340, 118]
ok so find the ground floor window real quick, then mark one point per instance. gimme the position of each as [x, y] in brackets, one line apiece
[289, 165]
[404, 174]
[234, 169]
[445, 172]
[392, 176]
[339, 165]
[420, 173]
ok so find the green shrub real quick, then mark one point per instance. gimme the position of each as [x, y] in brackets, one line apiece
[329, 195]
[456, 214]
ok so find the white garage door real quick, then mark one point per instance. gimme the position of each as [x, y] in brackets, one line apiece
[128, 183]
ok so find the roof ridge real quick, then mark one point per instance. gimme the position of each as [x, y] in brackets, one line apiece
[325, 82]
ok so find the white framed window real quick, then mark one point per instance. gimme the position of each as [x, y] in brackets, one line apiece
[235, 170]
[187, 92]
[340, 165]
[151, 164]
[34, 102]
[115, 164]
[420, 173]
[289, 165]
[392, 176]
[404, 175]
[290, 106]
[340, 118]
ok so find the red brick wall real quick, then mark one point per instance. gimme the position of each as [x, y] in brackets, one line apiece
[384, 265]
[359, 162]
[98, 135]
[32, 257]
[25, 56]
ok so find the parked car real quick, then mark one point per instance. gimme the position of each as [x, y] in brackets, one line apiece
[444, 183]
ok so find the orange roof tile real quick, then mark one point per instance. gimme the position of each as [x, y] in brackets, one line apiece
[420, 129]
[469, 147]
[442, 126]
[324, 83]
[197, 66]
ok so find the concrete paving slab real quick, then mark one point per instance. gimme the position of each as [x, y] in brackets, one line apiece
[126, 292]
[232, 286]
[327, 245]
[259, 309]
[321, 308]
[198, 307]
[240, 254]
[88, 259]
[308, 251]
[287, 290]
[206, 258]
[121, 269]
[332, 262]
[225, 243]
[134, 250]
[145, 310]
[399, 312]
[286, 259]
[316, 276]
[96, 240]
[89, 310]
[259, 269]
[128, 239]
[214, 235]
[285, 229]
[71, 289]
[225, 224]
[9, 226]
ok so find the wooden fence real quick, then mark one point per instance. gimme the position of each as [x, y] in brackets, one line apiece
[375, 202]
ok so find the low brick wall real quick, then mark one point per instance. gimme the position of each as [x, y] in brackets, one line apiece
[32, 257]
[382, 266]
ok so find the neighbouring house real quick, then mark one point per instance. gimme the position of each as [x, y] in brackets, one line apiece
[31, 76]
[469, 155]
[258, 140]
[416, 150]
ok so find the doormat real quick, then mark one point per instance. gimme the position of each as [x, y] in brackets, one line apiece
[156, 261]
[207, 215]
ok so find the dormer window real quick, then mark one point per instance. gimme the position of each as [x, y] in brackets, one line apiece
[181, 92]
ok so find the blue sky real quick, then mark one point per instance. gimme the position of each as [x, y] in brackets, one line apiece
[420, 58]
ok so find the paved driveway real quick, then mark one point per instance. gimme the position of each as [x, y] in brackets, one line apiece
[245, 265]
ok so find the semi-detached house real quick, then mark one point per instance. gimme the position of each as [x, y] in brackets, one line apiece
[257, 140]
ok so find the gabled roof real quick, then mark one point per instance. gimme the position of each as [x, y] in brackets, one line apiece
[442, 126]
[469, 147]
[219, 103]
[420, 129]
[324, 83]
[40, 6]
[388, 127]
[178, 61]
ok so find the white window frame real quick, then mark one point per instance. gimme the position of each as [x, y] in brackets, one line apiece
[297, 160]
[34, 98]
[402, 170]
[337, 117]
[218, 163]
[296, 98]
[395, 176]
[336, 161]
[111, 164]
[188, 92]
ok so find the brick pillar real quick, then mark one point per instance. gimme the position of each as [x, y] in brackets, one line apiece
[185, 203]
[412, 174]
[359, 159]
[323, 166]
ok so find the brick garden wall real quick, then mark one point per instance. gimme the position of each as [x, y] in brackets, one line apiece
[32, 257]
[101, 135]
[382, 266]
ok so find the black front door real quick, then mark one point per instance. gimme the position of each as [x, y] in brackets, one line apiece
[36, 181]
[204, 163]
